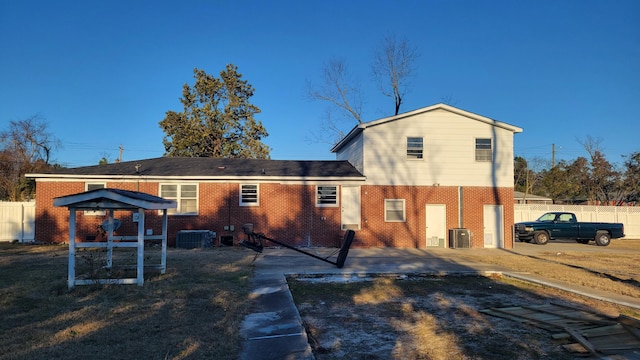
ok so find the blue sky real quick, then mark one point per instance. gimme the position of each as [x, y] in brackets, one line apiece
[103, 73]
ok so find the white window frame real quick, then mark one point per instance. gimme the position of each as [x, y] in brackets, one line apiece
[392, 205]
[179, 198]
[414, 152]
[244, 197]
[102, 185]
[323, 200]
[481, 152]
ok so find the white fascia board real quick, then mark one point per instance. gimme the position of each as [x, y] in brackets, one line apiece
[53, 178]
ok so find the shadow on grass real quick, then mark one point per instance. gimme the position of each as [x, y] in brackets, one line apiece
[420, 318]
[193, 311]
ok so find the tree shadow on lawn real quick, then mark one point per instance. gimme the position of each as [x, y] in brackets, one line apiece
[422, 317]
[193, 311]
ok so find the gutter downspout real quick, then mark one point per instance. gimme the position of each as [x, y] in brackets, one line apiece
[460, 203]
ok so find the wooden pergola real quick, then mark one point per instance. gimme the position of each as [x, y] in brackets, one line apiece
[110, 200]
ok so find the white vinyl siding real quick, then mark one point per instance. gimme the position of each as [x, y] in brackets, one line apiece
[185, 195]
[394, 210]
[354, 153]
[249, 195]
[326, 196]
[414, 148]
[449, 153]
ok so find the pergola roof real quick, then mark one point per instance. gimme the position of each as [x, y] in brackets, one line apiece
[114, 199]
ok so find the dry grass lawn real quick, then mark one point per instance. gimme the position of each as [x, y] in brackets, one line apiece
[439, 318]
[193, 311]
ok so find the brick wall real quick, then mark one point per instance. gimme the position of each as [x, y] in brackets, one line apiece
[474, 199]
[412, 233]
[286, 213]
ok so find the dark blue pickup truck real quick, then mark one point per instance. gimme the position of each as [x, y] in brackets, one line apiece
[564, 225]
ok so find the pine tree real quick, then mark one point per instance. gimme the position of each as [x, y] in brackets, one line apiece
[217, 119]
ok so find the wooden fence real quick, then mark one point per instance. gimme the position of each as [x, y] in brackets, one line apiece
[628, 215]
[17, 221]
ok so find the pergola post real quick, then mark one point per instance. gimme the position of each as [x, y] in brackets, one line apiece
[163, 259]
[110, 240]
[71, 274]
[140, 271]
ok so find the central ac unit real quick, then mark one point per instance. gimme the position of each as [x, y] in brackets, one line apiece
[190, 239]
[459, 238]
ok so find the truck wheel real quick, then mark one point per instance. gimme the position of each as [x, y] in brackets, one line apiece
[541, 237]
[602, 238]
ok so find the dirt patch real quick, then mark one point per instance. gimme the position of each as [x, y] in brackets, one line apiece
[439, 318]
[427, 318]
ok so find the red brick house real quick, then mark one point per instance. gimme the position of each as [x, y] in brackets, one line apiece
[401, 181]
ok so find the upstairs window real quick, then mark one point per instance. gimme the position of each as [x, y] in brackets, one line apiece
[185, 195]
[484, 151]
[249, 195]
[326, 196]
[414, 148]
[394, 210]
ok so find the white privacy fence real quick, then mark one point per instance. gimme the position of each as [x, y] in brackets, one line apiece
[628, 215]
[17, 221]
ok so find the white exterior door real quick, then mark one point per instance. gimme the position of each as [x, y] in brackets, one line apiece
[350, 201]
[436, 223]
[493, 224]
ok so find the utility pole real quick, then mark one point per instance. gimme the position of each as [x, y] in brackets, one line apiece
[553, 155]
[120, 156]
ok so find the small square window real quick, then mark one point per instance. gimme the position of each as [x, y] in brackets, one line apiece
[414, 148]
[484, 151]
[249, 195]
[326, 196]
[394, 210]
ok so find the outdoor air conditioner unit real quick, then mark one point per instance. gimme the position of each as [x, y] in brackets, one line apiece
[459, 238]
[190, 239]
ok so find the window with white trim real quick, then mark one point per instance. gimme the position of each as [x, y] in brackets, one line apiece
[394, 210]
[94, 186]
[249, 195]
[185, 195]
[326, 196]
[414, 148]
[484, 150]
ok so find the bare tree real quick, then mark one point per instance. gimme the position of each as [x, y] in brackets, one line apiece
[342, 92]
[26, 146]
[604, 183]
[393, 68]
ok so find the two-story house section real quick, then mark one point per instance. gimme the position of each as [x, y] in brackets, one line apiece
[431, 175]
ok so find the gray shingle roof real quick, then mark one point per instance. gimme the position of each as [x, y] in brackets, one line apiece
[216, 167]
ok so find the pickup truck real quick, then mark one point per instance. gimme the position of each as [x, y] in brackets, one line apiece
[564, 225]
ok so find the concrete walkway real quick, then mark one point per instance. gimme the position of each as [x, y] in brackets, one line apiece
[274, 329]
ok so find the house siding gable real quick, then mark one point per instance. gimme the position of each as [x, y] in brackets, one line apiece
[353, 152]
[449, 152]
